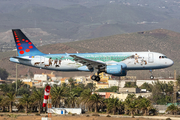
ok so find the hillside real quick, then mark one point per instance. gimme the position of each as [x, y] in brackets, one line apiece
[159, 40]
[80, 22]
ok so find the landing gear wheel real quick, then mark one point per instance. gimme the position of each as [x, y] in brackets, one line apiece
[97, 78]
[93, 77]
[151, 77]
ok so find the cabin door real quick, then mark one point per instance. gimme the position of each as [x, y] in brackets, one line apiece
[150, 58]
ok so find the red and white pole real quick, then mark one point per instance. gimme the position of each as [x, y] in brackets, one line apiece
[46, 94]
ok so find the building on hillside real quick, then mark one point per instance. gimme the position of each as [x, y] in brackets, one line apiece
[101, 85]
[129, 90]
[2, 81]
[122, 96]
[114, 83]
[79, 79]
[104, 94]
[56, 78]
[51, 83]
[65, 80]
[123, 93]
[120, 83]
[50, 75]
[104, 77]
[27, 81]
[140, 82]
[40, 77]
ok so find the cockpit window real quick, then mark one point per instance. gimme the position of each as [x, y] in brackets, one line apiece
[162, 57]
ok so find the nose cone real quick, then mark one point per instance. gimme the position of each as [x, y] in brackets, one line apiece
[170, 62]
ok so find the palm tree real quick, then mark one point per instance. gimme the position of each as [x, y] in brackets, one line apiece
[3, 103]
[37, 96]
[172, 109]
[145, 105]
[25, 101]
[72, 98]
[120, 106]
[85, 96]
[95, 100]
[11, 96]
[71, 82]
[131, 104]
[57, 94]
[112, 104]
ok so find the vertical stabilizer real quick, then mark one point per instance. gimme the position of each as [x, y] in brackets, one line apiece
[24, 46]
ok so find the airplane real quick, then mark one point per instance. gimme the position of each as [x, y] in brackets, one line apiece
[113, 63]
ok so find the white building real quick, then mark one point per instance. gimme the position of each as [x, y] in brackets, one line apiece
[140, 82]
[51, 83]
[114, 83]
[120, 83]
[65, 110]
[26, 80]
[40, 77]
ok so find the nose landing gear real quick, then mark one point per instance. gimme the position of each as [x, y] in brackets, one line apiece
[151, 77]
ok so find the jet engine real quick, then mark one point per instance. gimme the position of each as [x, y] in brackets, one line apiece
[116, 70]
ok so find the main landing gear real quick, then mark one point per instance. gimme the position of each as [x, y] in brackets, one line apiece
[95, 77]
[151, 77]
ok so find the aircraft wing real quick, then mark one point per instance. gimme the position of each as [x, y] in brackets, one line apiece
[88, 62]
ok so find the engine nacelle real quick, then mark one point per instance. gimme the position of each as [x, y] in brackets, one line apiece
[116, 70]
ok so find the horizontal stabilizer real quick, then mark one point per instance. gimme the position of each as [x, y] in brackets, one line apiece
[21, 58]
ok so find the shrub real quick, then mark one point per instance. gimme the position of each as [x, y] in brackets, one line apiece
[95, 114]
[87, 115]
[37, 114]
[168, 118]
[108, 116]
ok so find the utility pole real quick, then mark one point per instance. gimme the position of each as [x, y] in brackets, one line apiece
[175, 88]
[16, 73]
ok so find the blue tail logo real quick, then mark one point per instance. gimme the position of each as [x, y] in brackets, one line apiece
[24, 46]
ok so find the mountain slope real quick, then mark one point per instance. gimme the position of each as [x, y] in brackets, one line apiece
[159, 40]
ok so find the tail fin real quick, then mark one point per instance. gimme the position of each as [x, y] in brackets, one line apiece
[24, 45]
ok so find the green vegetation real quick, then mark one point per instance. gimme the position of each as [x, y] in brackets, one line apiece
[111, 89]
[3, 74]
[22, 88]
[162, 93]
[130, 85]
[147, 86]
[71, 95]
[173, 109]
